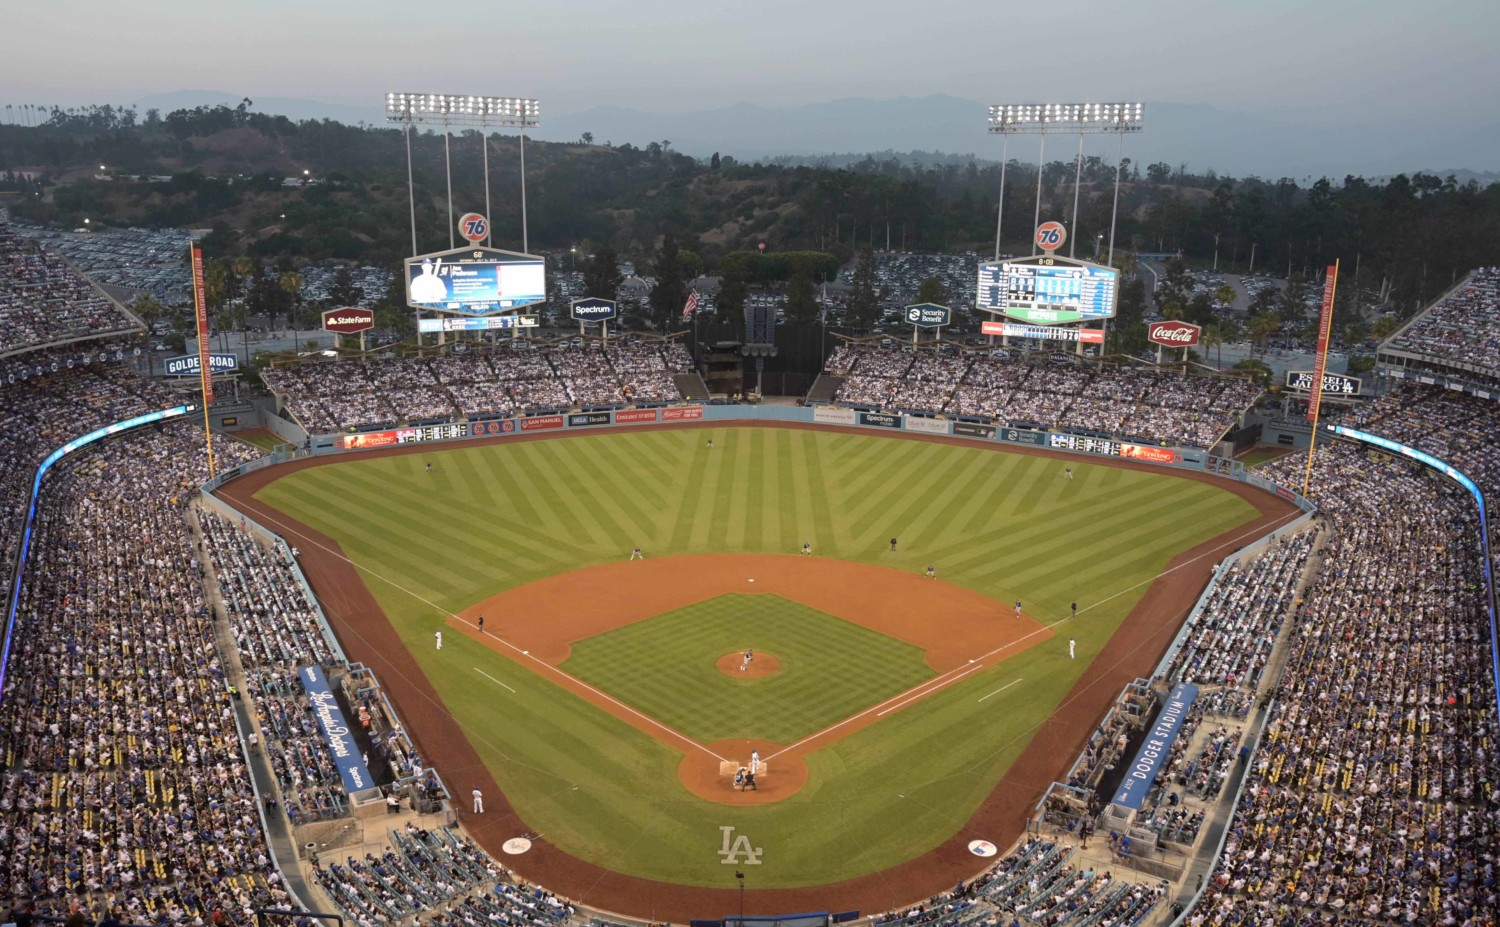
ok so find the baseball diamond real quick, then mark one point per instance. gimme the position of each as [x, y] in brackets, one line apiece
[595, 723]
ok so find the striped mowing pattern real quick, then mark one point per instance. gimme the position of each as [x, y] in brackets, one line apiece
[830, 668]
[491, 517]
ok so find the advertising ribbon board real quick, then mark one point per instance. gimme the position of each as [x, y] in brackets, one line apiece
[341, 743]
[1017, 330]
[1157, 746]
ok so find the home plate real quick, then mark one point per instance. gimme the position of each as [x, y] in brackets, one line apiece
[515, 846]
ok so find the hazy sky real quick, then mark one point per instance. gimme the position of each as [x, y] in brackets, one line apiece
[1316, 59]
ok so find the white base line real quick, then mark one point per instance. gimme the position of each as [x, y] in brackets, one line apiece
[493, 679]
[502, 641]
[1001, 689]
[1044, 628]
[914, 697]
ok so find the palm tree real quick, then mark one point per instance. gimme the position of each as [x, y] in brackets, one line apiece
[291, 284]
[1262, 326]
[1225, 295]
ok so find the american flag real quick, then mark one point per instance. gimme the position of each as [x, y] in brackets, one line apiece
[690, 307]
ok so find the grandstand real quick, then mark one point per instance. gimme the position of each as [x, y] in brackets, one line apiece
[45, 302]
[333, 396]
[1155, 406]
[161, 763]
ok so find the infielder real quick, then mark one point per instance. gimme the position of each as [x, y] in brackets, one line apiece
[439, 637]
[1072, 649]
[636, 554]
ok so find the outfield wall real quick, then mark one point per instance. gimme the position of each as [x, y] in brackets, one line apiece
[1062, 441]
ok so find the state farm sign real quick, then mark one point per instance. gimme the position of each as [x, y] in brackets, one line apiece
[1173, 334]
[350, 321]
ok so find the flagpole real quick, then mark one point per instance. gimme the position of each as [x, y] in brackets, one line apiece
[1320, 367]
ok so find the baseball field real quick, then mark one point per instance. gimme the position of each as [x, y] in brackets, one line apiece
[609, 700]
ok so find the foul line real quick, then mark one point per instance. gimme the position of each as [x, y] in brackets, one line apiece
[1001, 689]
[525, 653]
[492, 679]
[946, 679]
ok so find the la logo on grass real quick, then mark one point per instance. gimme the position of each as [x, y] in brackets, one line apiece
[739, 852]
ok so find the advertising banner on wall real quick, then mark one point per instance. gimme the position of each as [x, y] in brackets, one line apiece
[682, 413]
[585, 419]
[973, 430]
[880, 419]
[930, 426]
[834, 416]
[504, 426]
[630, 416]
[542, 423]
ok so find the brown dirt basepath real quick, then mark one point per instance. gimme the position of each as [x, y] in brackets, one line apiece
[367, 636]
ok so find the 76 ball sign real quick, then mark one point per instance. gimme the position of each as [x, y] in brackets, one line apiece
[1050, 236]
[473, 226]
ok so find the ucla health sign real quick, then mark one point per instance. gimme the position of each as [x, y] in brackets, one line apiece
[346, 755]
[1157, 746]
[186, 365]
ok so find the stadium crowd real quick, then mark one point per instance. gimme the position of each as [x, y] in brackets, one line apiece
[1372, 797]
[1147, 405]
[327, 397]
[42, 299]
[276, 632]
[124, 780]
[1461, 327]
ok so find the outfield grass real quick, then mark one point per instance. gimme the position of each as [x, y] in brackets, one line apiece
[491, 517]
[665, 667]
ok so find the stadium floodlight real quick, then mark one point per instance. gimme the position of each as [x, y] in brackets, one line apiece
[1043, 119]
[459, 109]
[462, 109]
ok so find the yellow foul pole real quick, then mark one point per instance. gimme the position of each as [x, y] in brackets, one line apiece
[1320, 367]
[205, 374]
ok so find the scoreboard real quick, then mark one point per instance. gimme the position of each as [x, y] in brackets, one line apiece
[1048, 290]
[475, 281]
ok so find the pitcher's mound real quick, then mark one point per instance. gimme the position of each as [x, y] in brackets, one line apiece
[762, 666]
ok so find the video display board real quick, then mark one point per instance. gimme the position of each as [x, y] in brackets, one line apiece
[1048, 290]
[475, 281]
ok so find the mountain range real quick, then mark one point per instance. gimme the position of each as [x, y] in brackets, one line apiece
[1200, 136]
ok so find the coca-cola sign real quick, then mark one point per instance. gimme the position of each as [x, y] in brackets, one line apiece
[348, 321]
[1173, 334]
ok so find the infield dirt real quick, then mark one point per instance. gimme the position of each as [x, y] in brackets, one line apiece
[368, 636]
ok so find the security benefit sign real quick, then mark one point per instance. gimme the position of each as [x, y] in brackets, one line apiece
[1334, 384]
[346, 755]
[1156, 748]
[927, 315]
